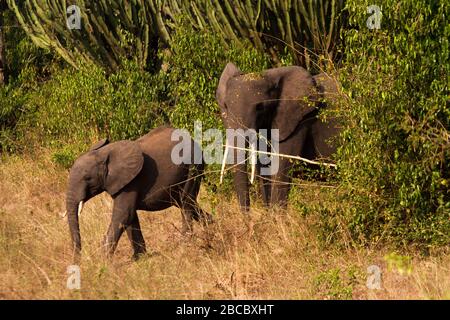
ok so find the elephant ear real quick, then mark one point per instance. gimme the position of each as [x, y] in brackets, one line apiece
[229, 72]
[298, 97]
[124, 161]
[99, 144]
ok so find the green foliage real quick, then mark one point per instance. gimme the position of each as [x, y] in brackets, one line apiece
[10, 112]
[25, 62]
[335, 284]
[394, 162]
[77, 107]
[66, 156]
[27, 66]
[402, 264]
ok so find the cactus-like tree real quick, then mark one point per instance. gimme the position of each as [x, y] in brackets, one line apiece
[113, 29]
[308, 28]
[109, 30]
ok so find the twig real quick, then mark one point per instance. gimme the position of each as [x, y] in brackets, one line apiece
[286, 156]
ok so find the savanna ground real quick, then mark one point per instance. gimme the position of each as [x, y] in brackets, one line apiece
[266, 256]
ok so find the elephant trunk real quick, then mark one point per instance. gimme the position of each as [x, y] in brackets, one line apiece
[239, 170]
[240, 179]
[74, 207]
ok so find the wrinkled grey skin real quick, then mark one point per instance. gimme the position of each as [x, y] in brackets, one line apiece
[288, 99]
[139, 175]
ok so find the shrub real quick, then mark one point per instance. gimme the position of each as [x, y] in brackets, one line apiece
[66, 155]
[336, 284]
[78, 107]
[394, 162]
[27, 66]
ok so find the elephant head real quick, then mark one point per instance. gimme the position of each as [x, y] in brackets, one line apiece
[278, 98]
[105, 167]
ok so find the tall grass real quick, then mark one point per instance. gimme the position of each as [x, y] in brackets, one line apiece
[264, 256]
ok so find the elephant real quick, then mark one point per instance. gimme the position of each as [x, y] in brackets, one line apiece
[284, 98]
[138, 175]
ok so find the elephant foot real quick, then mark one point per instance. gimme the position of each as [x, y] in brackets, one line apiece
[206, 218]
[145, 255]
[187, 230]
[278, 210]
[244, 209]
[139, 255]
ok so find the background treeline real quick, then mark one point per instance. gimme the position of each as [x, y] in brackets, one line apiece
[137, 64]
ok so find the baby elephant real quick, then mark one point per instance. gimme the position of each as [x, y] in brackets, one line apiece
[139, 175]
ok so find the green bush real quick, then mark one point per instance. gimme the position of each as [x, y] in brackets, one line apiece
[336, 284]
[394, 162]
[66, 155]
[78, 106]
[26, 66]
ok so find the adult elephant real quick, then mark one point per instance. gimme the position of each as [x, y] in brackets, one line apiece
[287, 99]
[139, 175]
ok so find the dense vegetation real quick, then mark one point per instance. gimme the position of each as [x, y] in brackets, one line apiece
[393, 168]
[395, 160]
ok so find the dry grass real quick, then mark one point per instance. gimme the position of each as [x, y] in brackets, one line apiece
[267, 256]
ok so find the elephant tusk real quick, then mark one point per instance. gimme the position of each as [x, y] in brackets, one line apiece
[225, 155]
[252, 162]
[64, 214]
[80, 207]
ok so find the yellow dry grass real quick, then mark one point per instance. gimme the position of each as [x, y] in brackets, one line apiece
[266, 256]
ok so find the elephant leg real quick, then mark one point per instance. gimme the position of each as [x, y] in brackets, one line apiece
[281, 184]
[122, 217]
[187, 215]
[190, 210]
[186, 200]
[264, 165]
[265, 186]
[239, 171]
[240, 181]
[134, 234]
